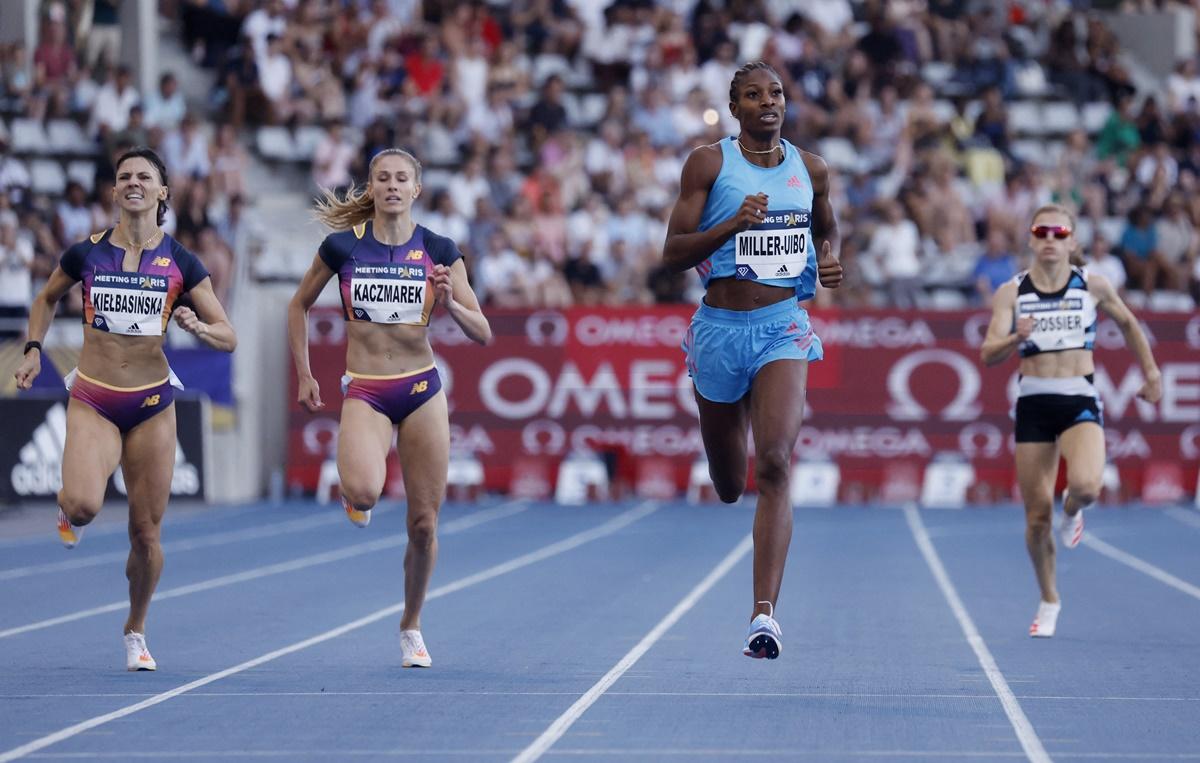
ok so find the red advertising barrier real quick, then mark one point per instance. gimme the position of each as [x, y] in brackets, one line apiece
[895, 389]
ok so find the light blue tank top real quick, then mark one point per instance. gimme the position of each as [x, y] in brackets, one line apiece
[778, 251]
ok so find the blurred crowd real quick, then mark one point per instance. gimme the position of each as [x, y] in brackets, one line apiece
[553, 132]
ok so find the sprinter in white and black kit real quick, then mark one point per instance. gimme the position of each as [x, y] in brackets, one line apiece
[1048, 314]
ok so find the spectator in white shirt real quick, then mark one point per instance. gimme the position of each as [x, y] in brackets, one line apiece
[1101, 260]
[332, 159]
[16, 280]
[166, 107]
[468, 187]
[262, 23]
[275, 79]
[894, 249]
[73, 216]
[110, 112]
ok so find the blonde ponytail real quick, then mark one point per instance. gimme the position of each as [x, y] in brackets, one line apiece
[358, 206]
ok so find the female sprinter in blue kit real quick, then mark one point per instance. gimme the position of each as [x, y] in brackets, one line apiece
[392, 272]
[121, 409]
[749, 212]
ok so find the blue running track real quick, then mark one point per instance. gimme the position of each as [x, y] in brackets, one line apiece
[603, 633]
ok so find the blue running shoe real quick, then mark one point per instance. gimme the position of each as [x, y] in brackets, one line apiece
[764, 639]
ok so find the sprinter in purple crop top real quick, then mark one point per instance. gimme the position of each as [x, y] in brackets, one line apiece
[121, 409]
[391, 272]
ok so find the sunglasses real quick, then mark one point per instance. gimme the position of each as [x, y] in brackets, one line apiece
[1046, 231]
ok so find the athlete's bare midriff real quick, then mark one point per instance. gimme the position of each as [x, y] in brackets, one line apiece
[742, 295]
[122, 361]
[1059, 365]
[378, 349]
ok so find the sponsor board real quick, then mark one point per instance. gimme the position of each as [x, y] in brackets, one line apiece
[895, 387]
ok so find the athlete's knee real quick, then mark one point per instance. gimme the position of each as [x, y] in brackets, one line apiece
[81, 510]
[771, 469]
[144, 535]
[1038, 524]
[1084, 491]
[422, 530]
[360, 497]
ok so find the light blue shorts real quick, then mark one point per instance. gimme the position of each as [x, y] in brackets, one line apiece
[726, 348]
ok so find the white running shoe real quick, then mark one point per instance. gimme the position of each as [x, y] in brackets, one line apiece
[69, 534]
[1046, 621]
[413, 653]
[1071, 529]
[764, 639]
[137, 656]
[359, 518]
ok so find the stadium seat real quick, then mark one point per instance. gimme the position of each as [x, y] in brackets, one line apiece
[275, 143]
[1031, 79]
[82, 172]
[464, 477]
[307, 140]
[1094, 115]
[65, 136]
[28, 137]
[946, 480]
[700, 488]
[47, 176]
[581, 477]
[327, 481]
[1060, 117]
[815, 483]
[1025, 118]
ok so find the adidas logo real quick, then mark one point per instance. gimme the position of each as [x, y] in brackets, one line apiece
[134, 329]
[783, 271]
[794, 182]
[40, 469]
[394, 317]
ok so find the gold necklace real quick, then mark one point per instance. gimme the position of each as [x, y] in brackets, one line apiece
[770, 150]
[144, 244]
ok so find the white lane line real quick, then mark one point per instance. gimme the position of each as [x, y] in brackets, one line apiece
[608, 528]
[1028, 738]
[564, 722]
[609, 752]
[358, 549]
[190, 544]
[1144, 567]
[701, 694]
[1187, 516]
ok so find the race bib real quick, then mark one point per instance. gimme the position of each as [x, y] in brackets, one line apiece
[775, 248]
[388, 293]
[1057, 323]
[129, 303]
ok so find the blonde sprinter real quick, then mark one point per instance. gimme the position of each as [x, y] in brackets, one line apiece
[391, 272]
[1048, 315]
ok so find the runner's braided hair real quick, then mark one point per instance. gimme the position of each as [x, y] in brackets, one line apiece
[740, 75]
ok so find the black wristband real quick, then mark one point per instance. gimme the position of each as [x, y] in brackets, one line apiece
[34, 345]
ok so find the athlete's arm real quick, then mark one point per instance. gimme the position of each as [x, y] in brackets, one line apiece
[454, 290]
[1001, 340]
[41, 312]
[208, 321]
[824, 227]
[302, 301]
[1109, 302]
[686, 247]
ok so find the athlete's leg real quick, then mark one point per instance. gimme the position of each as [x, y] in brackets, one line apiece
[424, 448]
[364, 438]
[777, 412]
[1083, 450]
[148, 464]
[1037, 467]
[723, 427]
[90, 456]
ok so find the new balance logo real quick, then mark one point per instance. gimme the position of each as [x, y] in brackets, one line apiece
[419, 387]
[161, 262]
[40, 469]
[782, 272]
